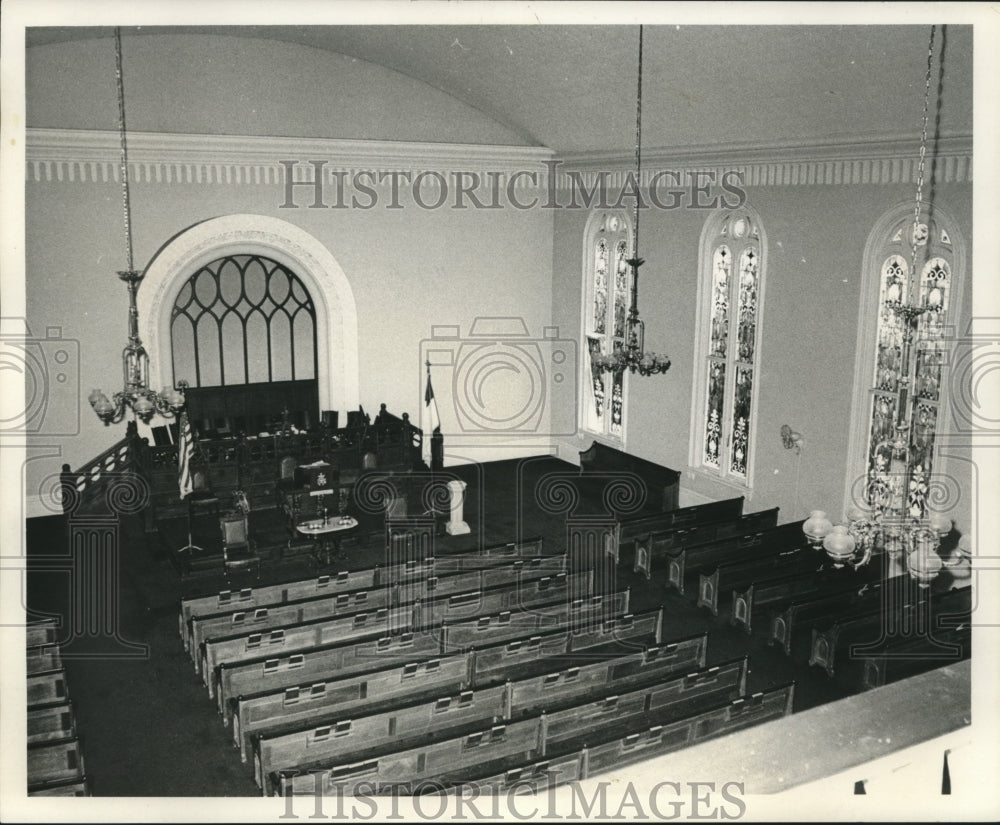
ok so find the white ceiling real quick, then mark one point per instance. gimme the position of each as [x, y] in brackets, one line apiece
[573, 88]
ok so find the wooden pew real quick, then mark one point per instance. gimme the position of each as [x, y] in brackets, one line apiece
[653, 549]
[617, 750]
[832, 643]
[267, 674]
[43, 657]
[766, 591]
[59, 761]
[261, 619]
[793, 620]
[629, 531]
[71, 787]
[275, 727]
[758, 565]
[904, 659]
[346, 739]
[253, 597]
[535, 594]
[42, 632]
[691, 559]
[47, 687]
[523, 740]
[50, 722]
[661, 482]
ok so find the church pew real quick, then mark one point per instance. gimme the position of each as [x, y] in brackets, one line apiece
[790, 620]
[48, 722]
[47, 687]
[600, 461]
[43, 657]
[271, 725]
[345, 739]
[59, 761]
[834, 643]
[253, 597]
[38, 633]
[908, 658]
[769, 591]
[616, 750]
[535, 594]
[71, 787]
[715, 583]
[691, 559]
[264, 675]
[653, 548]
[521, 740]
[203, 628]
[628, 530]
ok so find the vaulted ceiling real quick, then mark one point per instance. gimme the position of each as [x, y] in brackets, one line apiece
[573, 88]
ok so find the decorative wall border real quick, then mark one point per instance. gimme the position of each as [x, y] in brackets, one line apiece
[73, 156]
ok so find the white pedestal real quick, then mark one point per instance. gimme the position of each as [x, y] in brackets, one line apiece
[456, 525]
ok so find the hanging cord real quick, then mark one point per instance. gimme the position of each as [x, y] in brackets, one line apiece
[126, 203]
[638, 149]
[910, 298]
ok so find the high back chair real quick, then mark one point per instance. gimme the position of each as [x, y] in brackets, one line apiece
[238, 550]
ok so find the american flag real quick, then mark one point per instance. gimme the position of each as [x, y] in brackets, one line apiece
[185, 450]
[431, 421]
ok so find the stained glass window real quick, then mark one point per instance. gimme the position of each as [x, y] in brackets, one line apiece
[606, 284]
[727, 345]
[891, 374]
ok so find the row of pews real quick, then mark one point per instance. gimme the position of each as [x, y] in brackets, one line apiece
[55, 757]
[865, 627]
[495, 666]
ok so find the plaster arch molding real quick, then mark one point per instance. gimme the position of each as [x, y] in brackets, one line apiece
[336, 314]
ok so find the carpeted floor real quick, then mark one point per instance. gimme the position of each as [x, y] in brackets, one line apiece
[147, 725]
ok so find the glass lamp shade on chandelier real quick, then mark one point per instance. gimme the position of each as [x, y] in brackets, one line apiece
[894, 516]
[631, 354]
[135, 394]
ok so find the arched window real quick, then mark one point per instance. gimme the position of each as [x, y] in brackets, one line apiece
[243, 319]
[727, 345]
[606, 298]
[883, 376]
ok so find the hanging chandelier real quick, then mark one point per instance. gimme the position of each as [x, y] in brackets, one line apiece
[631, 354]
[135, 395]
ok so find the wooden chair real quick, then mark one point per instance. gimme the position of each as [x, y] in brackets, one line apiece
[202, 497]
[238, 550]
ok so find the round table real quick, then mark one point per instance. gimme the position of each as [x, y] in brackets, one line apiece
[327, 533]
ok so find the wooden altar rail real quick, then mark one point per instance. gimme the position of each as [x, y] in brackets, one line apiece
[263, 675]
[616, 735]
[87, 486]
[612, 687]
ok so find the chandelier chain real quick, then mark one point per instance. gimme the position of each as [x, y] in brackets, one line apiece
[638, 150]
[921, 165]
[126, 202]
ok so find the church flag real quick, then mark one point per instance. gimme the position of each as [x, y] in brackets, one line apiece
[431, 422]
[185, 451]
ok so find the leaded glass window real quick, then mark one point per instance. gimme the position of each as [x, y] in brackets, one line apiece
[243, 319]
[728, 345]
[607, 298]
[890, 373]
